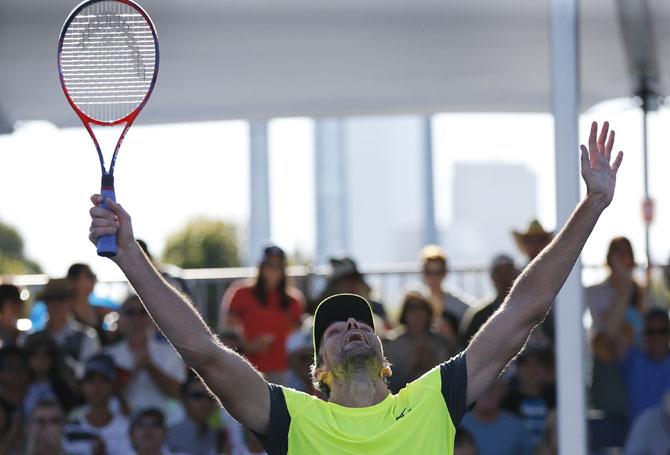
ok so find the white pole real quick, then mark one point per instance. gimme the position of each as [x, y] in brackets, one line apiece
[563, 44]
[259, 216]
[429, 226]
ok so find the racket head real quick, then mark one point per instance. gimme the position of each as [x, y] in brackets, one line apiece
[108, 57]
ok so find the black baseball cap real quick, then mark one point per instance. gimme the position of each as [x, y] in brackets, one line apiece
[336, 308]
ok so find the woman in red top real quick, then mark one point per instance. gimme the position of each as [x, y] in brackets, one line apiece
[265, 311]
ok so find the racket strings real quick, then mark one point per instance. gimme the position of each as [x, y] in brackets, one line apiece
[108, 60]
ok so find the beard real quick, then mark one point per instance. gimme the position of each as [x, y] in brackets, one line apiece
[359, 355]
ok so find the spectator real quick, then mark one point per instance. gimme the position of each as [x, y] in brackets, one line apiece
[266, 311]
[44, 430]
[98, 424]
[50, 379]
[13, 378]
[77, 341]
[619, 285]
[449, 306]
[345, 278]
[148, 433]
[11, 309]
[416, 348]
[82, 281]
[532, 394]
[647, 371]
[464, 443]
[503, 272]
[152, 369]
[531, 242]
[300, 357]
[497, 432]
[650, 434]
[195, 435]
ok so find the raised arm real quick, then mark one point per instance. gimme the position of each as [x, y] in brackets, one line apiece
[530, 299]
[239, 387]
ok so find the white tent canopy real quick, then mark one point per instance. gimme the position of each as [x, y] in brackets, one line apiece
[264, 58]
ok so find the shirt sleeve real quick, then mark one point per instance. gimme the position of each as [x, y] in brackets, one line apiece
[275, 441]
[454, 377]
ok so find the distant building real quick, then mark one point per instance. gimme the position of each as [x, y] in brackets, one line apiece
[489, 200]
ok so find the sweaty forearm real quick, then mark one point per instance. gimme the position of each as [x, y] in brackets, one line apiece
[538, 285]
[172, 312]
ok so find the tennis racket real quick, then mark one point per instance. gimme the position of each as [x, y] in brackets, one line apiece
[108, 63]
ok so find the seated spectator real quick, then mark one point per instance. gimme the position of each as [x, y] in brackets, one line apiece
[77, 341]
[152, 370]
[650, 434]
[497, 432]
[345, 278]
[265, 311]
[148, 433]
[464, 443]
[647, 371]
[415, 348]
[195, 435]
[503, 272]
[44, 430]
[449, 306]
[300, 358]
[532, 394]
[50, 379]
[11, 309]
[13, 378]
[98, 424]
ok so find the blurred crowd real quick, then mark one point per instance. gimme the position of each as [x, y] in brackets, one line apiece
[102, 379]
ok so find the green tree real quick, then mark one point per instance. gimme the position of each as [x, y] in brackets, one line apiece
[12, 259]
[203, 243]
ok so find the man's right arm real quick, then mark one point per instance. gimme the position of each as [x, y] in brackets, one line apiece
[239, 387]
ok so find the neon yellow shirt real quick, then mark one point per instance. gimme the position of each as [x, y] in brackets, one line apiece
[421, 418]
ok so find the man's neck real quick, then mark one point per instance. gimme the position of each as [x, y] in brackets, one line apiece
[358, 390]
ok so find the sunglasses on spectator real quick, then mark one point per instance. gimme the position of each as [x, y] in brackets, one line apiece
[198, 395]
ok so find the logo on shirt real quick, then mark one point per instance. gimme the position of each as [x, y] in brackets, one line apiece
[402, 414]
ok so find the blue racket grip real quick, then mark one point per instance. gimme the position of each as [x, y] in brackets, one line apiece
[107, 243]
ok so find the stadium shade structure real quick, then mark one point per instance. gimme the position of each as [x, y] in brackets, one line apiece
[257, 60]
[263, 58]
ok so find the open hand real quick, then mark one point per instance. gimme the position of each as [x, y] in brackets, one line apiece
[599, 175]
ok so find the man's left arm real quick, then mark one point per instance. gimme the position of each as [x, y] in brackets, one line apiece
[505, 333]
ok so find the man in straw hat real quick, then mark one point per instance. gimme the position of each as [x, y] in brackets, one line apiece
[532, 241]
[361, 415]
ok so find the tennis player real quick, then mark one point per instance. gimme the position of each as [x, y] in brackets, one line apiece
[361, 415]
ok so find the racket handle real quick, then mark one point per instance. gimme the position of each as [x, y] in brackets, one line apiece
[107, 243]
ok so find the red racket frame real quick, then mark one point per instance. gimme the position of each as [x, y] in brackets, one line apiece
[130, 118]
